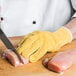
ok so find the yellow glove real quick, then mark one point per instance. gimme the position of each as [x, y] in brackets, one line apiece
[38, 43]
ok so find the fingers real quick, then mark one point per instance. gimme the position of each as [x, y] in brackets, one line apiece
[32, 49]
[22, 41]
[25, 38]
[27, 43]
[36, 56]
[41, 51]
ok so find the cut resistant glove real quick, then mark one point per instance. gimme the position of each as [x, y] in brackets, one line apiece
[38, 43]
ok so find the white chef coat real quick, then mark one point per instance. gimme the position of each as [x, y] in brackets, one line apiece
[24, 16]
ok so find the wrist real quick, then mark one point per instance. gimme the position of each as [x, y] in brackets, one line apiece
[71, 26]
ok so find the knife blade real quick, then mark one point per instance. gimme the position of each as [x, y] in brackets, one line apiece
[8, 44]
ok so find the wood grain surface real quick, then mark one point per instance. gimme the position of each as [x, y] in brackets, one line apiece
[33, 69]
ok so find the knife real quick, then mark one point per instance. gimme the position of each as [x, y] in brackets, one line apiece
[8, 44]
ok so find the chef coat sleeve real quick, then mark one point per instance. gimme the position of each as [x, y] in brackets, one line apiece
[74, 6]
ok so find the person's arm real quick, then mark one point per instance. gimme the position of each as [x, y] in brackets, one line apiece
[72, 27]
[72, 24]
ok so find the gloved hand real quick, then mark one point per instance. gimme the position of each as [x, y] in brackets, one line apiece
[37, 44]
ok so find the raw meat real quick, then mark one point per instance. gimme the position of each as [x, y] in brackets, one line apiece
[13, 59]
[61, 61]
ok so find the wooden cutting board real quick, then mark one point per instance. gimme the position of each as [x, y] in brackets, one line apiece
[33, 69]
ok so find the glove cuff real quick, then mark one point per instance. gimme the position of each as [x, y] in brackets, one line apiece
[71, 37]
[62, 37]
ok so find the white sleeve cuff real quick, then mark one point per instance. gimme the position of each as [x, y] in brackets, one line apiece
[69, 32]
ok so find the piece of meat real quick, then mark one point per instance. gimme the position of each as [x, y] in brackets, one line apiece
[62, 61]
[13, 59]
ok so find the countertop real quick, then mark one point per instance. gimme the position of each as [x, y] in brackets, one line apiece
[33, 69]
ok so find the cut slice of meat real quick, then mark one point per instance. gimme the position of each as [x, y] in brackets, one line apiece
[13, 59]
[62, 61]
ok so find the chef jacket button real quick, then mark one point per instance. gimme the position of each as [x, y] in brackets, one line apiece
[34, 22]
[1, 18]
